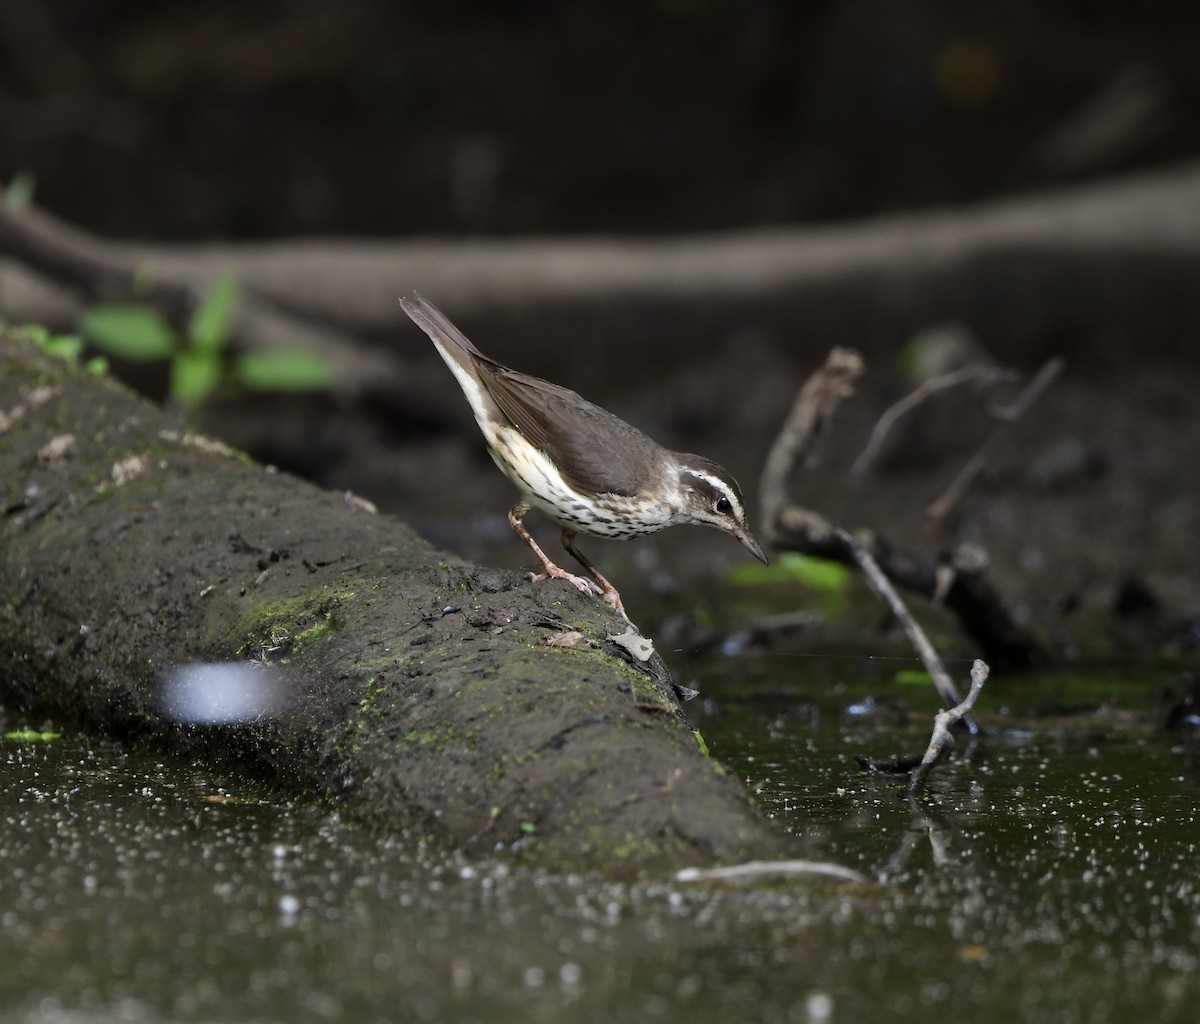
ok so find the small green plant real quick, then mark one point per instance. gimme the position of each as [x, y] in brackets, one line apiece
[200, 363]
[63, 346]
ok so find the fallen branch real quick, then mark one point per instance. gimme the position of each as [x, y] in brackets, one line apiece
[1088, 255]
[99, 271]
[942, 722]
[958, 584]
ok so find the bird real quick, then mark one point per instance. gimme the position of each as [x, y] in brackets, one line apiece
[584, 468]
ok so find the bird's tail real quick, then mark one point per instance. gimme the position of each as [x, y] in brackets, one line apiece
[459, 354]
[452, 343]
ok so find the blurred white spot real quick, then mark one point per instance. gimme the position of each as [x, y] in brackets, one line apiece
[221, 693]
[818, 1006]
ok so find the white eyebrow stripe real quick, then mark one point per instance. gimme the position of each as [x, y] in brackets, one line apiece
[719, 486]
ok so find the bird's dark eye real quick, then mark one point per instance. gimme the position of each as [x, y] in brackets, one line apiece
[723, 506]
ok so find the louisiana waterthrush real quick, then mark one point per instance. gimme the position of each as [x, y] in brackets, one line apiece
[583, 467]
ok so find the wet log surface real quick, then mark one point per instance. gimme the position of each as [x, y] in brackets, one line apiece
[417, 691]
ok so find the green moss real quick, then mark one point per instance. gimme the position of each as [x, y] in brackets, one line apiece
[284, 626]
[317, 631]
[269, 625]
[640, 847]
[421, 739]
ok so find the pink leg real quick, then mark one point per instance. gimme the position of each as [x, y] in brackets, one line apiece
[607, 590]
[550, 570]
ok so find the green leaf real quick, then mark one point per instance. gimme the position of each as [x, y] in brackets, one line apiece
[816, 573]
[822, 574]
[209, 329]
[19, 194]
[39, 334]
[61, 346]
[282, 370]
[129, 331]
[700, 742]
[97, 366]
[64, 346]
[194, 376]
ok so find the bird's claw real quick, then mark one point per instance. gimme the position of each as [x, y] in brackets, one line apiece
[614, 599]
[583, 585]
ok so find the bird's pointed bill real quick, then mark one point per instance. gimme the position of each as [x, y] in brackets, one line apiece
[750, 544]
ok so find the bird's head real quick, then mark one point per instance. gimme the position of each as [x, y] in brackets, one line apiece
[708, 495]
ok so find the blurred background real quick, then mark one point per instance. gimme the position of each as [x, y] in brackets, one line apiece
[174, 120]
[775, 178]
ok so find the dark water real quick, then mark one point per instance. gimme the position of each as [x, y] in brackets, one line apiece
[1049, 875]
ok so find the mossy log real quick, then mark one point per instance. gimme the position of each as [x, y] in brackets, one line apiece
[420, 691]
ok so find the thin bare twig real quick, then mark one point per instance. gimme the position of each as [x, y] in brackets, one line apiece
[941, 508]
[761, 868]
[928, 388]
[942, 722]
[792, 527]
[820, 396]
[878, 582]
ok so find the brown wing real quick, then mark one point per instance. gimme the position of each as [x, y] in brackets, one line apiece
[594, 450]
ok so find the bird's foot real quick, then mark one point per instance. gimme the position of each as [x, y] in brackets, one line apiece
[582, 584]
[614, 599]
